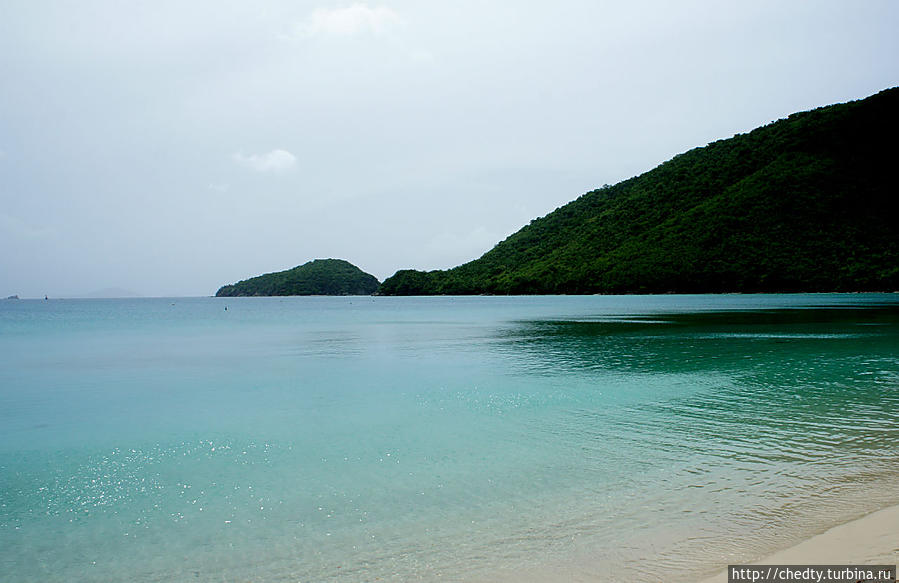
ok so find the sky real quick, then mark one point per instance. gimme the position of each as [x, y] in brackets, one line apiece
[171, 147]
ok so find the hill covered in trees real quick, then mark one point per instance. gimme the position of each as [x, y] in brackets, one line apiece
[321, 277]
[806, 203]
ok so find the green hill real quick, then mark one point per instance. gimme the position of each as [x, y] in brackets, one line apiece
[807, 203]
[321, 277]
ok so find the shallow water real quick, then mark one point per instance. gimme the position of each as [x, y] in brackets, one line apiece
[362, 439]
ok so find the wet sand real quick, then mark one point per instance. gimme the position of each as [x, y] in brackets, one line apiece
[870, 540]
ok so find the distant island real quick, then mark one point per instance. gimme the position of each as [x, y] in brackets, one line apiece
[320, 277]
[806, 203]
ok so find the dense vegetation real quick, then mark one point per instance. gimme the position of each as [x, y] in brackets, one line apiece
[807, 203]
[321, 277]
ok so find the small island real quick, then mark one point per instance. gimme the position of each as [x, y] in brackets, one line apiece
[320, 277]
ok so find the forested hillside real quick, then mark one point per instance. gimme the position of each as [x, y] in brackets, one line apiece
[807, 203]
[324, 277]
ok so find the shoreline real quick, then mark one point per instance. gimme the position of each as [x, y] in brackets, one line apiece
[869, 540]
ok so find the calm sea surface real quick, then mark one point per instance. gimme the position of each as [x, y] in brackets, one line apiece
[462, 439]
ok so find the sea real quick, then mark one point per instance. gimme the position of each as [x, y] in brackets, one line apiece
[471, 439]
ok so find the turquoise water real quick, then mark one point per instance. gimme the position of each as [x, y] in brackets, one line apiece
[461, 439]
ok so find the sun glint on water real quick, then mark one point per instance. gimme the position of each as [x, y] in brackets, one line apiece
[398, 439]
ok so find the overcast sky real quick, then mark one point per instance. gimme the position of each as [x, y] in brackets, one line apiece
[172, 147]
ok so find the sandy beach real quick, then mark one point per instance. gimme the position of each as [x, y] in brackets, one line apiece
[869, 540]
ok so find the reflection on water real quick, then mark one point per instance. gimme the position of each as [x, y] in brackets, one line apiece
[341, 439]
[740, 425]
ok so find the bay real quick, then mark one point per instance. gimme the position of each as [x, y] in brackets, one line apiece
[454, 438]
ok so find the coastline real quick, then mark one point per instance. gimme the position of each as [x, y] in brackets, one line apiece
[869, 540]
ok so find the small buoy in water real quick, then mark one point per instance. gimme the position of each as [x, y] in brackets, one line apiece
[226, 308]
